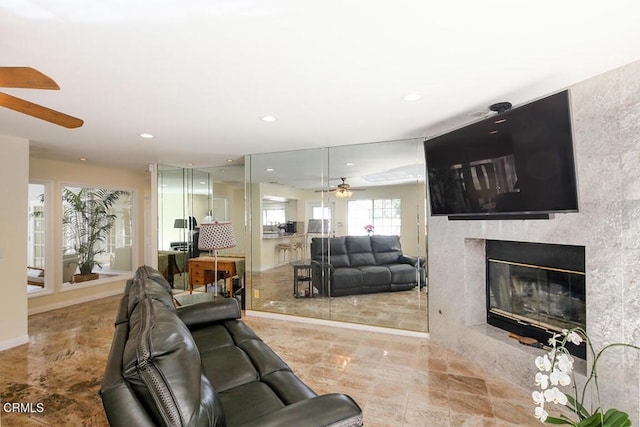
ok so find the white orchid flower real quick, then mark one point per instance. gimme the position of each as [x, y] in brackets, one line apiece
[564, 363]
[574, 337]
[538, 397]
[542, 380]
[559, 377]
[556, 396]
[554, 340]
[543, 363]
[541, 414]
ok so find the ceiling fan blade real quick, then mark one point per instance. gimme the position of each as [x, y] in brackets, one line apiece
[26, 78]
[39, 111]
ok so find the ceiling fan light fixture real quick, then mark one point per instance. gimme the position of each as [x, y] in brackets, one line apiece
[343, 194]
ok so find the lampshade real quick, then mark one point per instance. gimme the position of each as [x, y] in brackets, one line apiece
[216, 235]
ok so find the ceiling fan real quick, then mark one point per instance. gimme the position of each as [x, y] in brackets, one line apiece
[30, 78]
[344, 190]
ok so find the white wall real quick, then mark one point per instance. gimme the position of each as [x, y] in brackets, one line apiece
[14, 183]
[606, 127]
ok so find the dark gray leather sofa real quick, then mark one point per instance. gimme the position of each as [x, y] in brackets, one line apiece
[200, 365]
[352, 265]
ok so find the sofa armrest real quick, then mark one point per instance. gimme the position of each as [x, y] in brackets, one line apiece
[412, 260]
[204, 313]
[319, 265]
[326, 410]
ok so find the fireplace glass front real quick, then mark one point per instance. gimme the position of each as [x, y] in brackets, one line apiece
[536, 290]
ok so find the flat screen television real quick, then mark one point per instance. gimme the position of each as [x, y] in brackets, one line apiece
[515, 164]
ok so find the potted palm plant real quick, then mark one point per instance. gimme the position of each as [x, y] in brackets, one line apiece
[87, 220]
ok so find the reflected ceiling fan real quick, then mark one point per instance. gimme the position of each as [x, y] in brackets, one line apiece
[30, 78]
[344, 190]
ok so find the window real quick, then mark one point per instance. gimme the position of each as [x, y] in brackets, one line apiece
[321, 212]
[274, 213]
[383, 214]
[97, 233]
[36, 238]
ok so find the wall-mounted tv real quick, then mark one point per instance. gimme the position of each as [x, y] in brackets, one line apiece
[515, 164]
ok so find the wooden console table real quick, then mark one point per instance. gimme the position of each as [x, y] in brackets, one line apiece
[202, 271]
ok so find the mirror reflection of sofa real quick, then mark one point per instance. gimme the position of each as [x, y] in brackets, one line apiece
[351, 265]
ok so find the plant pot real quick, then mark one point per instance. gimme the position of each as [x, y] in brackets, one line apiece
[85, 277]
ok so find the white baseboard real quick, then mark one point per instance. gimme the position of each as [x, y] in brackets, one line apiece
[336, 324]
[74, 301]
[4, 345]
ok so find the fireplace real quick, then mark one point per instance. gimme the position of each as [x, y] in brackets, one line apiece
[536, 289]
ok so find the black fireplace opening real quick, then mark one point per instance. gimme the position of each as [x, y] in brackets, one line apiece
[536, 289]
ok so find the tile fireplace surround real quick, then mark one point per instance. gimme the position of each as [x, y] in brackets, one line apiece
[606, 129]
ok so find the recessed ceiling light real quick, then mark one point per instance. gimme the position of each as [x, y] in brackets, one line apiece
[269, 169]
[146, 135]
[83, 159]
[349, 164]
[412, 97]
[189, 164]
[268, 119]
[203, 182]
[229, 160]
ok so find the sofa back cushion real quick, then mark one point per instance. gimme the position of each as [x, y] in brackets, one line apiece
[161, 363]
[360, 253]
[333, 251]
[386, 249]
[338, 253]
[147, 272]
[142, 289]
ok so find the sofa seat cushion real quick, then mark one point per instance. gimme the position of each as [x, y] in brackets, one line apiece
[213, 337]
[347, 278]
[228, 367]
[264, 359]
[248, 402]
[402, 273]
[162, 365]
[288, 387]
[375, 276]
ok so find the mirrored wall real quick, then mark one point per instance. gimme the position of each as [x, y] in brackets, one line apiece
[187, 198]
[339, 233]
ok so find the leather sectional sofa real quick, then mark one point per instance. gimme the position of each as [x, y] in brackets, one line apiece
[352, 265]
[200, 365]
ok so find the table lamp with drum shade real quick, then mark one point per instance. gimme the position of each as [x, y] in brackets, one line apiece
[213, 237]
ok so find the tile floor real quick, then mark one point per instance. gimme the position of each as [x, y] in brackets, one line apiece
[398, 381]
[401, 309]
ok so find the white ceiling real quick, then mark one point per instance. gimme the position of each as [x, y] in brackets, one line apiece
[199, 74]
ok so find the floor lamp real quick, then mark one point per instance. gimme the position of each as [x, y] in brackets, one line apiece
[213, 237]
